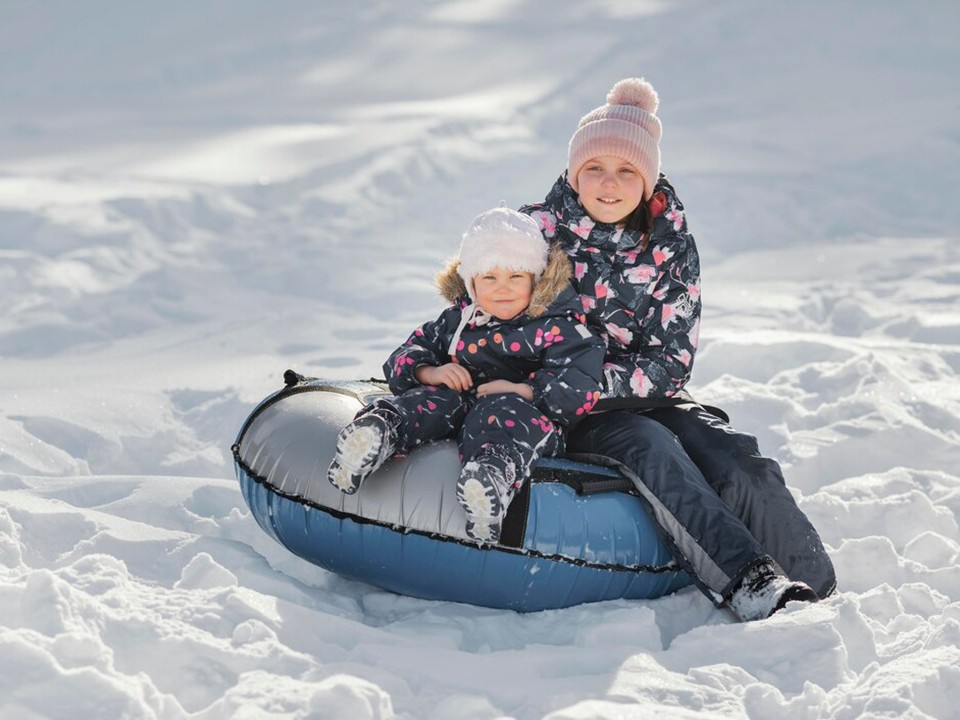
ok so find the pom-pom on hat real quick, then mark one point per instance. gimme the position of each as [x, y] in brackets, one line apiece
[503, 238]
[626, 127]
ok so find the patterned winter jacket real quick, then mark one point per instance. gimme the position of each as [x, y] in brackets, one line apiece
[640, 293]
[547, 346]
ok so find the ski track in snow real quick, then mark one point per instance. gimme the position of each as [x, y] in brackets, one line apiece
[193, 199]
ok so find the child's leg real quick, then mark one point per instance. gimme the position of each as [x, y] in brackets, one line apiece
[428, 413]
[502, 438]
[391, 424]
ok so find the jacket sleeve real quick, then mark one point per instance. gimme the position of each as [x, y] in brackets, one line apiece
[661, 366]
[567, 385]
[427, 345]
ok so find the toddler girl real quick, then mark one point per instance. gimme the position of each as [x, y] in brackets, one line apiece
[505, 369]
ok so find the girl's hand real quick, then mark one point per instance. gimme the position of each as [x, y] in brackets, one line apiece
[456, 377]
[505, 386]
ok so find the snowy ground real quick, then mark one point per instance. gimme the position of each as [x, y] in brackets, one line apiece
[196, 196]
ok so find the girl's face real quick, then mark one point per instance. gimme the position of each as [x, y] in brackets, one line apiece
[503, 293]
[610, 188]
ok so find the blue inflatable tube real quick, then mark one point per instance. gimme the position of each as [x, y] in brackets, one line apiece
[574, 535]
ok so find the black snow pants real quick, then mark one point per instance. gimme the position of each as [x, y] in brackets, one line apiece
[720, 507]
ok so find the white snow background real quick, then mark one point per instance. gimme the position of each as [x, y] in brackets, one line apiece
[195, 196]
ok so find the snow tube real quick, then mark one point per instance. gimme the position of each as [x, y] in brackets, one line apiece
[573, 535]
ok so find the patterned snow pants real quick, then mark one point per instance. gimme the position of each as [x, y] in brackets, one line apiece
[504, 424]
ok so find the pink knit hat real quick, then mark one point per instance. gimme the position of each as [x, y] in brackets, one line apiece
[626, 127]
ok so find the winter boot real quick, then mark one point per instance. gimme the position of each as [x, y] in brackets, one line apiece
[763, 591]
[362, 447]
[484, 490]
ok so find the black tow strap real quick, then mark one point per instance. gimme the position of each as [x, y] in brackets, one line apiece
[292, 378]
[638, 403]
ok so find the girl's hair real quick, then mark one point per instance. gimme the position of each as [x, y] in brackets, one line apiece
[639, 220]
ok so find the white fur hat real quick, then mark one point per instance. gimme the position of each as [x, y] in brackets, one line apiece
[626, 127]
[503, 238]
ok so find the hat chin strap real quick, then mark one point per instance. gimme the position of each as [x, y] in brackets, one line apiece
[472, 313]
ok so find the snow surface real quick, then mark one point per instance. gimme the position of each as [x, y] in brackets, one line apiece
[196, 196]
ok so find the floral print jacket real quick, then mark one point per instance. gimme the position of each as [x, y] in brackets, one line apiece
[547, 346]
[641, 292]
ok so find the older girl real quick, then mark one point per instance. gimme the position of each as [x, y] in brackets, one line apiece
[724, 510]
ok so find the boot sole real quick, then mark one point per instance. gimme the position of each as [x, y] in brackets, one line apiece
[358, 456]
[479, 500]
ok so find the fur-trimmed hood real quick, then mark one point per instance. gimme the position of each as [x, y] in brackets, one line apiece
[554, 280]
